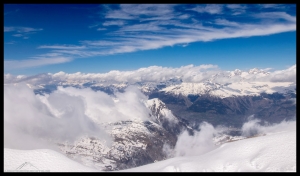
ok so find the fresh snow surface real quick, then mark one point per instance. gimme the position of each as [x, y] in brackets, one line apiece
[230, 89]
[41, 160]
[160, 110]
[274, 152]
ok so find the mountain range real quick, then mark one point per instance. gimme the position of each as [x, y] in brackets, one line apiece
[176, 104]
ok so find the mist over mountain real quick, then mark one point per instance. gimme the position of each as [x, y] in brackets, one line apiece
[121, 120]
[157, 74]
[149, 87]
[193, 93]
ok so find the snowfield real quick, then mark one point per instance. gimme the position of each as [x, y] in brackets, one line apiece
[230, 89]
[40, 160]
[275, 151]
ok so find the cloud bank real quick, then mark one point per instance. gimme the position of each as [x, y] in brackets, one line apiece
[198, 144]
[189, 73]
[202, 142]
[254, 127]
[32, 121]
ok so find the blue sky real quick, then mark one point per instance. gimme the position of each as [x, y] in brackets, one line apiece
[93, 38]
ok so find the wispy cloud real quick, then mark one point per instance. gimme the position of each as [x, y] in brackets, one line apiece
[275, 16]
[152, 26]
[181, 35]
[118, 15]
[135, 27]
[62, 47]
[225, 22]
[147, 9]
[131, 43]
[101, 29]
[237, 8]
[134, 11]
[17, 35]
[21, 31]
[210, 8]
[28, 63]
[114, 23]
[275, 6]
[11, 42]
[11, 12]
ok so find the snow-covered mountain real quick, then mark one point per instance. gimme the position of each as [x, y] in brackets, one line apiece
[135, 142]
[145, 124]
[274, 151]
[189, 80]
[230, 89]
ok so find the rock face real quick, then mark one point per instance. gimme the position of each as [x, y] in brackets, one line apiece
[135, 143]
[230, 111]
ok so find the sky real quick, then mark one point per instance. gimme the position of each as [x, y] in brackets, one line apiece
[98, 38]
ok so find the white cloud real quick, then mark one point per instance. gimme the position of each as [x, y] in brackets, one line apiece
[21, 29]
[118, 14]
[234, 6]
[17, 35]
[209, 8]
[225, 22]
[276, 6]
[28, 63]
[101, 29]
[151, 26]
[142, 27]
[32, 121]
[115, 22]
[28, 123]
[275, 15]
[189, 73]
[102, 108]
[284, 75]
[160, 34]
[147, 9]
[200, 143]
[133, 11]
[71, 47]
[153, 35]
[237, 8]
[149, 74]
[275, 152]
[184, 16]
[253, 127]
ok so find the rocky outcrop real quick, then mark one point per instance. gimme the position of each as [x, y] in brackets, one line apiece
[135, 142]
[230, 111]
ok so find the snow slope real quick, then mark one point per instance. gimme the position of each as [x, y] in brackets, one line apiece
[40, 160]
[274, 152]
[230, 89]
